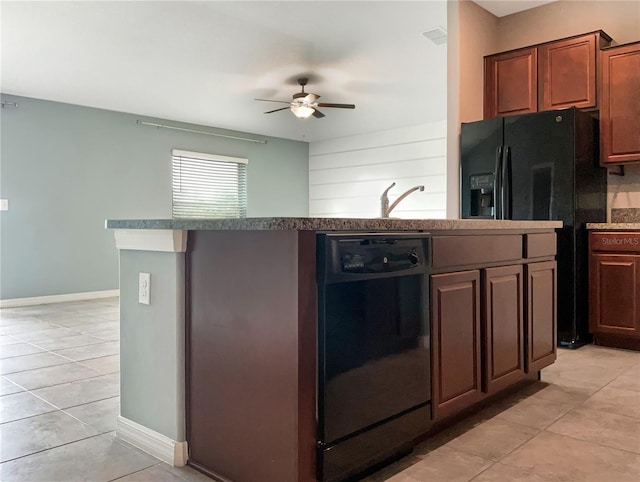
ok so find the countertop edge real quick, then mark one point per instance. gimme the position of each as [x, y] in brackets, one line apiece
[613, 226]
[326, 224]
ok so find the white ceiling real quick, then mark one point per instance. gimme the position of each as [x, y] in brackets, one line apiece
[205, 62]
[502, 8]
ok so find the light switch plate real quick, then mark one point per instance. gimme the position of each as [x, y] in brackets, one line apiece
[144, 288]
[4, 204]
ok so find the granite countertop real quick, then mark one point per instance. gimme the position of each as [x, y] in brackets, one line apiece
[326, 224]
[613, 226]
[622, 219]
[625, 215]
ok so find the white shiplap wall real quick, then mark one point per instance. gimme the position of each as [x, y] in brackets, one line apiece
[348, 175]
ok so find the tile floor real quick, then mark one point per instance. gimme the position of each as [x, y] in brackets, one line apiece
[59, 399]
[580, 423]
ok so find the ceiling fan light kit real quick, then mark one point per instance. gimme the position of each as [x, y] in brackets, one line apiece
[302, 111]
[304, 105]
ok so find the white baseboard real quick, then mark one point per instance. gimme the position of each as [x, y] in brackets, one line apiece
[152, 442]
[43, 300]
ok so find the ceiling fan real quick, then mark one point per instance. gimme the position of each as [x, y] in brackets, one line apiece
[304, 104]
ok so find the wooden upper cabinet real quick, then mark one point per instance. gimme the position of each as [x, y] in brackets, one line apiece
[510, 83]
[553, 75]
[567, 73]
[620, 104]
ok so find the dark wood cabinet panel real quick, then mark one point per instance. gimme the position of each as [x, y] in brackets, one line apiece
[511, 83]
[503, 327]
[615, 294]
[455, 332]
[266, 340]
[553, 75]
[452, 251]
[615, 242]
[539, 245]
[620, 104]
[541, 315]
[614, 288]
[567, 73]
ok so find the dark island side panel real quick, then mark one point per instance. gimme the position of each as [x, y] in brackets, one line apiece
[250, 393]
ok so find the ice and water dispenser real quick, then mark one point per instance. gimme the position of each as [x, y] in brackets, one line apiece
[482, 195]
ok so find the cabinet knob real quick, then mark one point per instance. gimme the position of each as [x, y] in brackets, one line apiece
[413, 257]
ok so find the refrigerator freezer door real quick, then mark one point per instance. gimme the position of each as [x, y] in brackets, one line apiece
[542, 148]
[479, 145]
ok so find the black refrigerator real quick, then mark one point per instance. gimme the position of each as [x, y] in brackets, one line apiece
[541, 166]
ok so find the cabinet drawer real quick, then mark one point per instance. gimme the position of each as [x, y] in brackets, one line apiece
[624, 241]
[451, 251]
[539, 244]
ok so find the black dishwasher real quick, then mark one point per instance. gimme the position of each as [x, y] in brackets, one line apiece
[374, 385]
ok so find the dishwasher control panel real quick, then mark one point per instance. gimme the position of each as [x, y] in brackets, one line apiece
[356, 258]
[372, 254]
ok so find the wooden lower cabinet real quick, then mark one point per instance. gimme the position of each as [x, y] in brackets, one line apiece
[541, 314]
[503, 327]
[490, 328]
[455, 333]
[493, 321]
[614, 288]
[615, 294]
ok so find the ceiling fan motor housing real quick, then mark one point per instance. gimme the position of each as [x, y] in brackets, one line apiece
[304, 104]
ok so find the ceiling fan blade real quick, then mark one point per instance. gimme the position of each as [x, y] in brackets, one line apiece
[317, 114]
[340, 106]
[311, 98]
[269, 100]
[276, 110]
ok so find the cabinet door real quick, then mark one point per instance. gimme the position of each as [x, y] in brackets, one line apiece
[567, 73]
[541, 315]
[615, 294]
[455, 334]
[510, 83]
[620, 104]
[503, 327]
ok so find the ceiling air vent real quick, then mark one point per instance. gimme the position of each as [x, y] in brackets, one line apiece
[437, 35]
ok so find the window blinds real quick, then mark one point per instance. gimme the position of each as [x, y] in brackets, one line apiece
[208, 186]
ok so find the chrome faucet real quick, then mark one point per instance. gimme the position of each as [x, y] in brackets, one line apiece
[385, 209]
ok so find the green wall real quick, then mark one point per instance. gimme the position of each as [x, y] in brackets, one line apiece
[66, 168]
[152, 343]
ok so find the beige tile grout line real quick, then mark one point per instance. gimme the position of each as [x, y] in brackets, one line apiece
[51, 351]
[578, 405]
[59, 364]
[54, 447]
[56, 408]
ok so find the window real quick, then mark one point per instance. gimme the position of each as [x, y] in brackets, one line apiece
[208, 186]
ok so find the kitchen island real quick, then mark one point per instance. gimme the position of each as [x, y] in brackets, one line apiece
[224, 356]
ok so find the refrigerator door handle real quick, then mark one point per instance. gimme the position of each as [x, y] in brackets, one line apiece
[497, 185]
[506, 194]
